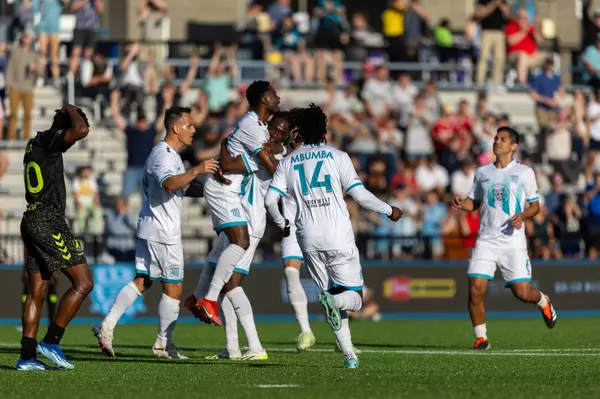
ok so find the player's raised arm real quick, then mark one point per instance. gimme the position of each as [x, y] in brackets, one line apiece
[80, 126]
[353, 186]
[172, 182]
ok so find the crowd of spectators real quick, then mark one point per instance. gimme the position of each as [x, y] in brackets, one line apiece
[410, 148]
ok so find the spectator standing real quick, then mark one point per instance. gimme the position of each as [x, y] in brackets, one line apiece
[85, 36]
[278, 11]
[393, 29]
[415, 22]
[492, 15]
[331, 37]
[544, 89]
[418, 142]
[591, 60]
[133, 80]
[403, 96]
[218, 79]
[96, 76]
[377, 94]
[290, 42]
[153, 23]
[21, 72]
[523, 38]
[121, 227]
[462, 179]
[49, 29]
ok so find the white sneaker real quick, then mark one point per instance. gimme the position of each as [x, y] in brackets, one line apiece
[225, 354]
[255, 355]
[105, 339]
[169, 352]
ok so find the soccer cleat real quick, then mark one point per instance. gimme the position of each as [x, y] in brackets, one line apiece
[209, 311]
[549, 314]
[482, 344]
[351, 362]
[338, 348]
[255, 355]
[332, 313]
[190, 304]
[225, 354]
[105, 339]
[169, 352]
[32, 365]
[305, 341]
[53, 353]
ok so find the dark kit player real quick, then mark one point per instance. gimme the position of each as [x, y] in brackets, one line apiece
[48, 239]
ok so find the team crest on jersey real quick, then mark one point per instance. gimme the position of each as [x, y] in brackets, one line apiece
[514, 179]
[236, 212]
[497, 194]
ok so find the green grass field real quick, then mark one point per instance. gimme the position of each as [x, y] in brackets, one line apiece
[422, 359]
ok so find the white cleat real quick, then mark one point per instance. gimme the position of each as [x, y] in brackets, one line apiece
[255, 355]
[169, 352]
[105, 339]
[225, 354]
[305, 340]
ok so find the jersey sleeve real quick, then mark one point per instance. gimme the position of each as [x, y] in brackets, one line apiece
[348, 176]
[255, 136]
[53, 140]
[163, 167]
[279, 183]
[476, 193]
[530, 187]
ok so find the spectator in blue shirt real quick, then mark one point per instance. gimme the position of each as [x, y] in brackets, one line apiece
[543, 91]
[591, 60]
[290, 42]
[121, 227]
[592, 200]
[278, 11]
[434, 215]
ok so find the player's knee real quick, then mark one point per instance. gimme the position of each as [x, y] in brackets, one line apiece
[476, 292]
[39, 293]
[84, 286]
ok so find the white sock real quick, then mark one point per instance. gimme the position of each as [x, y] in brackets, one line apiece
[126, 297]
[543, 302]
[297, 297]
[480, 331]
[206, 276]
[243, 310]
[168, 311]
[344, 337]
[348, 300]
[227, 262]
[230, 320]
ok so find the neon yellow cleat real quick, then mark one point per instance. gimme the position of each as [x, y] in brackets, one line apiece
[305, 340]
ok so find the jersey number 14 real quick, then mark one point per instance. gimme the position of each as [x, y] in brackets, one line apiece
[314, 181]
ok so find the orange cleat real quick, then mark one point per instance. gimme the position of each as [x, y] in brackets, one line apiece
[209, 310]
[190, 304]
[549, 314]
[482, 344]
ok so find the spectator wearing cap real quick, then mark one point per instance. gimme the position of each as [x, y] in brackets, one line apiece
[523, 38]
[591, 59]
[85, 36]
[492, 15]
[544, 89]
[21, 72]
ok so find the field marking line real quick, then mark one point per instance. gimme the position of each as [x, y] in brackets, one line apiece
[276, 386]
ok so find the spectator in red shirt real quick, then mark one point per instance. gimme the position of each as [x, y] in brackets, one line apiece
[523, 39]
[444, 129]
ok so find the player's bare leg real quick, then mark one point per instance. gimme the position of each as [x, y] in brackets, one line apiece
[528, 294]
[104, 331]
[239, 242]
[299, 302]
[168, 312]
[477, 290]
[243, 310]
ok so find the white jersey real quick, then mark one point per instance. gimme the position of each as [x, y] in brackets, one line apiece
[503, 193]
[316, 176]
[246, 141]
[160, 217]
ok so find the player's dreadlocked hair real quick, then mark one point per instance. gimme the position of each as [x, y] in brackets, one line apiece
[309, 125]
[256, 91]
[62, 120]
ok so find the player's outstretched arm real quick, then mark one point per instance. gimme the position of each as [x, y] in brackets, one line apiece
[229, 164]
[367, 200]
[467, 204]
[181, 181]
[272, 205]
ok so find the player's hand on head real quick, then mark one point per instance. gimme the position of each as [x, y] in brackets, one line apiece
[457, 203]
[221, 177]
[396, 214]
[517, 221]
[208, 167]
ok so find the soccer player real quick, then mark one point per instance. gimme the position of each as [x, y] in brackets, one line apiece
[502, 190]
[159, 254]
[49, 242]
[225, 201]
[52, 297]
[316, 175]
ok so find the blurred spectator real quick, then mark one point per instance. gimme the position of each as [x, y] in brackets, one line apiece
[257, 25]
[591, 24]
[389, 139]
[133, 79]
[591, 60]
[362, 136]
[290, 42]
[523, 38]
[85, 36]
[433, 103]
[49, 29]
[278, 12]
[559, 144]
[377, 94]
[362, 37]
[593, 120]
[87, 202]
[444, 41]
[96, 76]
[592, 200]
[153, 19]
[415, 24]
[569, 223]
[140, 138]
[342, 102]
[23, 20]
[492, 15]
[208, 144]
[21, 72]
[403, 96]
[473, 36]
[432, 176]
[539, 230]
[434, 214]
[552, 199]
[462, 179]
[418, 142]
[170, 95]
[544, 88]
[404, 231]
[121, 227]
[3, 167]
[218, 78]
[330, 38]
[393, 29]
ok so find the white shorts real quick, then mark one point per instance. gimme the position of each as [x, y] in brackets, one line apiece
[335, 268]
[513, 263]
[290, 249]
[225, 206]
[253, 203]
[244, 263]
[159, 261]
